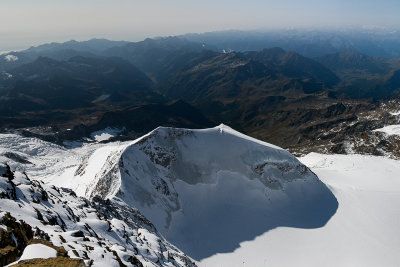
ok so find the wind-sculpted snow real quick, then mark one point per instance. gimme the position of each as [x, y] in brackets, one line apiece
[206, 191]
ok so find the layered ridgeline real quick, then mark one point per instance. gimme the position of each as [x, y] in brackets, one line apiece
[204, 190]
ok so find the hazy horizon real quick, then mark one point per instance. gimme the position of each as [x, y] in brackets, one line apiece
[25, 23]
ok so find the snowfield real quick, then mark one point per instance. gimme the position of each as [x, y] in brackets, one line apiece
[364, 231]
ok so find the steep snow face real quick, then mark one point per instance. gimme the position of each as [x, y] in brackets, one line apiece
[363, 232]
[208, 190]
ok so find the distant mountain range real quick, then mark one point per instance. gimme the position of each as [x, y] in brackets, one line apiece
[273, 94]
[309, 43]
[364, 76]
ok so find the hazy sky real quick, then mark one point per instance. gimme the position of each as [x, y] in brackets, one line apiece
[31, 22]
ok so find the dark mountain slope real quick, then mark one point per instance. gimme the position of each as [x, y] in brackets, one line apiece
[136, 120]
[354, 61]
[294, 65]
[142, 118]
[86, 68]
[393, 82]
[92, 45]
[362, 76]
[57, 51]
[234, 88]
[217, 77]
[76, 83]
[155, 56]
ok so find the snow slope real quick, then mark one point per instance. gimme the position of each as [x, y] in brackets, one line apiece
[364, 231]
[208, 190]
[52, 163]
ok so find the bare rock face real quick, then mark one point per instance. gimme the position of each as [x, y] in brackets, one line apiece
[14, 237]
[59, 261]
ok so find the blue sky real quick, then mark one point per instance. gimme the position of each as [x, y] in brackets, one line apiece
[31, 22]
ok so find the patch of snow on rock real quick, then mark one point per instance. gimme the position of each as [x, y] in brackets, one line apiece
[106, 134]
[11, 58]
[390, 129]
[38, 251]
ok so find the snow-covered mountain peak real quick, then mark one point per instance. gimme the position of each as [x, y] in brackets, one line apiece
[223, 127]
[192, 156]
[184, 180]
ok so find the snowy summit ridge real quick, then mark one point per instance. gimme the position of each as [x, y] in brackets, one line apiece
[183, 153]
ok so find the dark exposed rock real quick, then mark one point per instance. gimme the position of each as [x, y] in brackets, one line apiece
[14, 239]
[17, 158]
[59, 261]
[78, 234]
